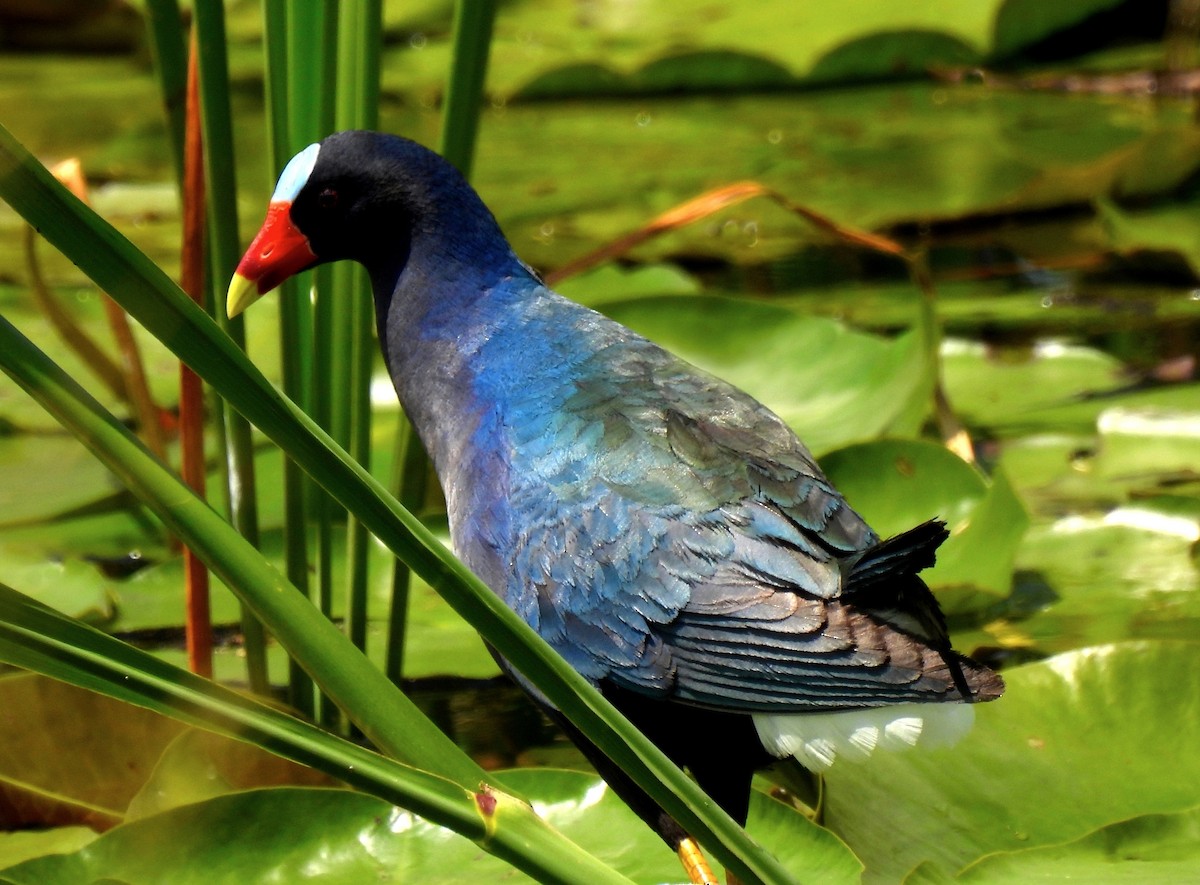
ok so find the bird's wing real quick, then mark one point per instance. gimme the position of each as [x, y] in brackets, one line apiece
[680, 540]
[712, 611]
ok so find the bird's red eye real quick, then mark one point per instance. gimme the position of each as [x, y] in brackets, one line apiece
[327, 198]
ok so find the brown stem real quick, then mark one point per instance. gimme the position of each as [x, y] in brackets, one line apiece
[198, 627]
[706, 204]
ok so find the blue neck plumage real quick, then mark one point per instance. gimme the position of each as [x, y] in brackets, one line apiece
[434, 316]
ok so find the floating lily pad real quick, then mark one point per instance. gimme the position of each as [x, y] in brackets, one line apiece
[26, 844]
[439, 642]
[1076, 743]
[44, 475]
[65, 581]
[341, 836]
[865, 158]
[72, 756]
[1170, 228]
[554, 49]
[1137, 445]
[1011, 391]
[1148, 448]
[1053, 471]
[199, 765]
[153, 598]
[1158, 848]
[1125, 573]
[609, 282]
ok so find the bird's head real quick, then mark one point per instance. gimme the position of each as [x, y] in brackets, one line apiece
[362, 196]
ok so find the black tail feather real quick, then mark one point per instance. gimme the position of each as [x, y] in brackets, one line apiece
[904, 554]
[884, 577]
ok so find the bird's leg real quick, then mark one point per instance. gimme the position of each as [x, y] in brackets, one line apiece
[731, 877]
[694, 863]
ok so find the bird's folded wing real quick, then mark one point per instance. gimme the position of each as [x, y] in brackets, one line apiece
[734, 609]
[824, 655]
[679, 540]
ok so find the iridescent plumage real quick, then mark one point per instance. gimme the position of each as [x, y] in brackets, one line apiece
[667, 534]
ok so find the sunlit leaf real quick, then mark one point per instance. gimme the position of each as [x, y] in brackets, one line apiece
[59, 578]
[199, 765]
[1014, 391]
[280, 835]
[45, 475]
[1139, 443]
[1056, 387]
[26, 844]
[1077, 742]
[549, 50]
[339, 836]
[1153, 848]
[975, 566]
[71, 756]
[1126, 573]
[610, 282]
[1164, 230]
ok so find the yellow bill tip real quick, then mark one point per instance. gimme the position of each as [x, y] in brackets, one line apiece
[243, 292]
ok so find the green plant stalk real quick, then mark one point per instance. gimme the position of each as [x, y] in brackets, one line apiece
[169, 48]
[953, 433]
[473, 21]
[355, 107]
[37, 638]
[312, 59]
[323, 517]
[385, 715]
[354, 292]
[360, 43]
[411, 476]
[147, 294]
[321, 508]
[311, 44]
[295, 324]
[224, 248]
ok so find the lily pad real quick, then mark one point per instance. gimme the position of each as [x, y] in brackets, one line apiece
[199, 765]
[610, 282]
[46, 474]
[65, 582]
[1054, 472]
[1137, 445]
[1014, 391]
[26, 844]
[546, 48]
[1038, 768]
[865, 158]
[1169, 228]
[1158, 848]
[440, 642]
[834, 386]
[71, 756]
[1127, 573]
[340, 836]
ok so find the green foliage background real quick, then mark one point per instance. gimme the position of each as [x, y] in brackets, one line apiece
[1060, 226]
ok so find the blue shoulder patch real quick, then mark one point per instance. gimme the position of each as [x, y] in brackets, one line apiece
[295, 174]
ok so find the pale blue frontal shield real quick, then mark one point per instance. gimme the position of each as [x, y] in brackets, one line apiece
[295, 174]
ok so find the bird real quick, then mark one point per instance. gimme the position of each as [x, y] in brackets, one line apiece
[667, 534]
